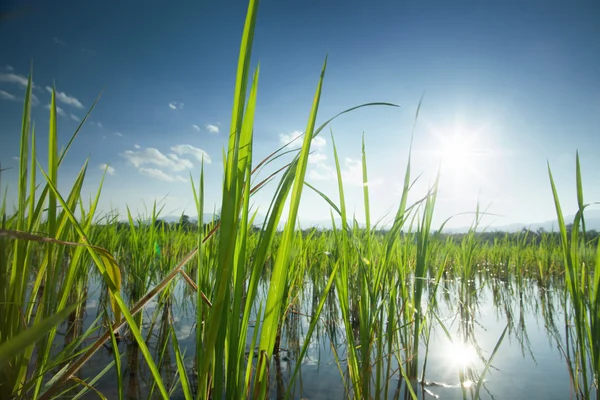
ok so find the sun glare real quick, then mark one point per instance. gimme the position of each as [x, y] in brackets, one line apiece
[465, 153]
[458, 152]
[462, 354]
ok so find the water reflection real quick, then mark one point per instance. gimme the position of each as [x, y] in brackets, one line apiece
[473, 312]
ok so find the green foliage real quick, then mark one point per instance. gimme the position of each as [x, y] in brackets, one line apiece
[246, 279]
[582, 288]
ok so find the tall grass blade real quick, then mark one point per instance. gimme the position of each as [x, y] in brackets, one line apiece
[276, 288]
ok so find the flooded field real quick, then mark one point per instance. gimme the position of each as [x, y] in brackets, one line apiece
[530, 361]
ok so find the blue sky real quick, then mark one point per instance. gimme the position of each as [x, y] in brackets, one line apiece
[508, 86]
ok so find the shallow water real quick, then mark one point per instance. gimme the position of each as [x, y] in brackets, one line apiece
[528, 364]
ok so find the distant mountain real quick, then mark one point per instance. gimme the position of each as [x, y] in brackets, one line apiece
[592, 222]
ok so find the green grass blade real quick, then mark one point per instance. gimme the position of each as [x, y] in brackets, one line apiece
[232, 192]
[185, 383]
[340, 185]
[117, 361]
[52, 163]
[276, 288]
[16, 345]
[579, 190]
[366, 198]
[489, 361]
[325, 197]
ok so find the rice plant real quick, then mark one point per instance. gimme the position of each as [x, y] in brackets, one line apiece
[258, 298]
[582, 287]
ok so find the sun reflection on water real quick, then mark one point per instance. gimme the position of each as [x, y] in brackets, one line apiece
[462, 354]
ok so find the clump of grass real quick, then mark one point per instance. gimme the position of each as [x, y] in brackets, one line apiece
[35, 293]
[582, 286]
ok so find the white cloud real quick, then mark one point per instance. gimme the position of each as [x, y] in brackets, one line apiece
[177, 159]
[98, 124]
[160, 175]
[137, 146]
[318, 142]
[140, 159]
[59, 110]
[322, 173]
[9, 68]
[196, 127]
[183, 149]
[285, 138]
[316, 158]
[109, 170]
[212, 128]
[14, 78]
[65, 98]
[155, 157]
[58, 41]
[74, 117]
[119, 134]
[351, 173]
[174, 105]
[7, 96]
[34, 101]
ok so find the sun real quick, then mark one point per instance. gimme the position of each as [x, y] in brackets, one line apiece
[461, 149]
[464, 154]
[458, 152]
